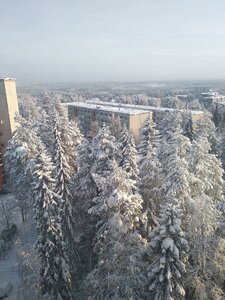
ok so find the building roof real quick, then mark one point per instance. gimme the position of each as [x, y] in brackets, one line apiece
[7, 79]
[111, 108]
[141, 107]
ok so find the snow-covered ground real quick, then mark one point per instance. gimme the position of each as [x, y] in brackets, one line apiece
[9, 267]
[9, 270]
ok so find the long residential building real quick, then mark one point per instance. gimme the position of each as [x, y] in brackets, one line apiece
[158, 113]
[87, 113]
[134, 116]
[8, 110]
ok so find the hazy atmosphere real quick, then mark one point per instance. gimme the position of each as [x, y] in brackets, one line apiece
[112, 150]
[112, 40]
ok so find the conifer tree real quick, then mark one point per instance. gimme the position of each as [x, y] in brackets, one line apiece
[206, 127]
[174, 159]
[20, 154]
[216, 115]
[206, 275]
[150, 182]
[169, 247]
[104, 150]
[115, 126]
[62, 179]
[55, 279]
[118, 272]
[150, 177]
[208, 168]
[128, 154]
[94, 129]
[62, 183]
[188, 128]
[84, 189]
[83, 186]
[149, 134]
[71, 137]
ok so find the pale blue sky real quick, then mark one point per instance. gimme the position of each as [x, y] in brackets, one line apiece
[112, 40]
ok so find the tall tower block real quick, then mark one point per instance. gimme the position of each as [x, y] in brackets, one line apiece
[8, 109]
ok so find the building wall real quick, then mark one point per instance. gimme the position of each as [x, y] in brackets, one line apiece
[134, 122]
[158, 113]
[8, 109]
[137, 122]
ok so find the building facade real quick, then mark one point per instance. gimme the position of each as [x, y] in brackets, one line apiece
[158, 113]
[8, 110]
[133, 116]
[87, 113]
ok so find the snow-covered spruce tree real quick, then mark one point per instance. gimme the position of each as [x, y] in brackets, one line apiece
[118, 272]
[71, 137]
[20, 154]
[216, 115]
[205, 276]
[177, 181]
[124, 137]
[94, 129]
[206, 272]
[104, 150]
[168, 127]
[150, 178]
[55, 279]
[222, 149]
[128, 154]
[206, 127]
[30, 110]
[208, 168]
[168, 248]
[149, 134]
[115, 126]
[83, 187]
[83, 190]
[46, 126]
[92, 158]
[188, 129]
[150, 182]
[62, 183]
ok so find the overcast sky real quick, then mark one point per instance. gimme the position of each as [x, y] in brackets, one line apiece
[112, 40]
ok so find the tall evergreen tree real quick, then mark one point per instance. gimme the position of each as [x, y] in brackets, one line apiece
[128, 154]
[216, 115]
[104, 150]
[115, 126]
[206, 127]
[20, 154]
[208, 168]
[62, 183]
[169, 247]
[84, 189]
[150, 182]
[55, 279]
[206, 274]
[118, 272]
[188, 130]
[62, 178]
[71, 137]
[174, 159]
[149, 134]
